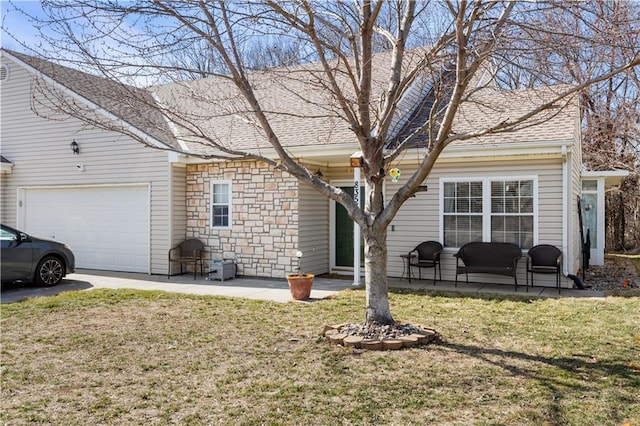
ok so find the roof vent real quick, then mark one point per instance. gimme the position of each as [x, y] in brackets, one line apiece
[4, 72]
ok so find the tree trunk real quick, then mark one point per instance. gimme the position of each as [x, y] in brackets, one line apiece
[375, 270]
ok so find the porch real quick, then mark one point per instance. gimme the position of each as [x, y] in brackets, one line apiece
[265, 288]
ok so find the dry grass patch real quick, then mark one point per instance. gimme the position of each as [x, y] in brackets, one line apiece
[126, 357]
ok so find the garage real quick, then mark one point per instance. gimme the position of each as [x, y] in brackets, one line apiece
[107, 227]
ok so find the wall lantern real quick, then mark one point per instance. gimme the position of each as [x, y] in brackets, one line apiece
[75, 148]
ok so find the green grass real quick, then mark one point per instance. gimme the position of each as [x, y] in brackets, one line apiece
[128, 357]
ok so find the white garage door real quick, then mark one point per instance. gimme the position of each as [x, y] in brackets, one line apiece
[107, 227]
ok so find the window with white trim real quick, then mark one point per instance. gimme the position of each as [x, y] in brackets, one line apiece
[462, 213]
[220, 204]
[489, 209]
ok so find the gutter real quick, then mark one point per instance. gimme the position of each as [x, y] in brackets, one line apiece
[542, 149]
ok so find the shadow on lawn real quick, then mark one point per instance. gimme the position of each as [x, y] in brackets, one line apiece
[580, 372]
[16, 292]
[523, 298]
[579, 364]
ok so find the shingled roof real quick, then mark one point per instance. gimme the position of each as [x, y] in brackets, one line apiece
[133, 105]
[305, 118]
[490, 107]
[302, 118]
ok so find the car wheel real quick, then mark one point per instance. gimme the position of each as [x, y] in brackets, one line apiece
[50, 271]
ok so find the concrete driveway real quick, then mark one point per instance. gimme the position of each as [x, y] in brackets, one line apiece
[275, 290]
[19, 291]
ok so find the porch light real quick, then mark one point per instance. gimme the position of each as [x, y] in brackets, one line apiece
[356, 159]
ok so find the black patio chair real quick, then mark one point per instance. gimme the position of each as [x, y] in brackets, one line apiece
[544, 259]
[426, 255]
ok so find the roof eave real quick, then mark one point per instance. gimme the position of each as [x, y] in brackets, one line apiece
[307, 154]
[506, 149]
[339, 154]
[611, 177]
[148, 139]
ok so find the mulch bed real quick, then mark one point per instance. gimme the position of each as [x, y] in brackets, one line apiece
[379, 337]
[612, 275]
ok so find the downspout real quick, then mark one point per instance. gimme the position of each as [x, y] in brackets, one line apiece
[600, 218]
[565, 209]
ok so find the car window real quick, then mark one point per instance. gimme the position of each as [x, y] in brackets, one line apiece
[6, 235]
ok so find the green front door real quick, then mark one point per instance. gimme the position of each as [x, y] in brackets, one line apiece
[344, 234]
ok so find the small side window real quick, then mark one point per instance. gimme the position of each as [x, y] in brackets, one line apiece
[221, 204]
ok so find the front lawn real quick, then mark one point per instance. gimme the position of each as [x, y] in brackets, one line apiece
[128, 357]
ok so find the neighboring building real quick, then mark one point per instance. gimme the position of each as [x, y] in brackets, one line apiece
[127, 204]
[112, 200]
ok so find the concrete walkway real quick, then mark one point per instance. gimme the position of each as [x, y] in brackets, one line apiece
[256, 288]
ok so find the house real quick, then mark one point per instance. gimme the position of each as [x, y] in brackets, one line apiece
[109, 197]
[121, 205]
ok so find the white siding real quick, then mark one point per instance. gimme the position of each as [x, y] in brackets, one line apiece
[419, 220]
[179, 204]
[7, 203]
[575, 190]
[40, 151]
[314, 230]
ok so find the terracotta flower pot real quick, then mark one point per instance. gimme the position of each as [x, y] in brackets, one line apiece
[300, 285]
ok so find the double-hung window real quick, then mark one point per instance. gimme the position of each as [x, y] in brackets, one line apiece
[462, 213]
[489, 209]
[512, 212]
[220, 204]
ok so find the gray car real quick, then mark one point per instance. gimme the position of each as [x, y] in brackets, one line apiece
[30, 259]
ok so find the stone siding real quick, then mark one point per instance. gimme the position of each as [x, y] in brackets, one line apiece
[263, 238]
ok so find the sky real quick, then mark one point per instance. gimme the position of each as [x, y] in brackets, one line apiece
[17, 24]
[20, 34]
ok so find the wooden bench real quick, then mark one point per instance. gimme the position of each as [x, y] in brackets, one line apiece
[488, 258]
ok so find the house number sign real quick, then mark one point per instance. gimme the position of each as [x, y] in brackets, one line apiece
[356, 229]
[356, 191]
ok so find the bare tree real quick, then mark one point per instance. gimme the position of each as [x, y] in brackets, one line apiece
[358, 60]
[600, 35]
